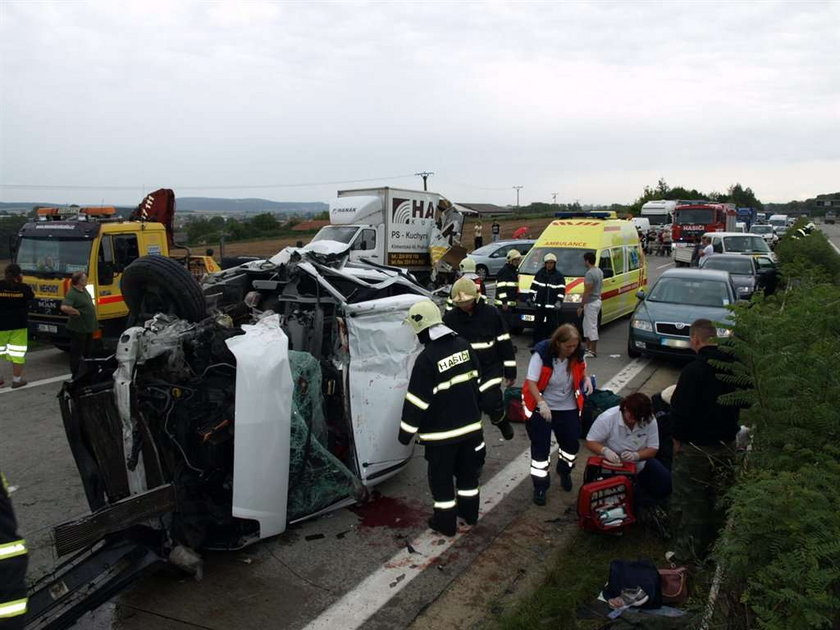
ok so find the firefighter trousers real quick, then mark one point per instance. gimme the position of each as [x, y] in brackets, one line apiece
[453, 480]
[546, 321]
[492, 403]
[566, 428]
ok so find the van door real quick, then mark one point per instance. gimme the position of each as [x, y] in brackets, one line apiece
[609, 285]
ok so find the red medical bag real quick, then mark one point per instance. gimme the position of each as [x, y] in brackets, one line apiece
[605, 500]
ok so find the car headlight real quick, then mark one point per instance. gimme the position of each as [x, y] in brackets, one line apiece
[641, 324]
[744, 289]
[573, 298]
[724, 332]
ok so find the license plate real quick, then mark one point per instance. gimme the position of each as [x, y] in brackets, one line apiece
[676, 343]
[527, 318]
[47, 328]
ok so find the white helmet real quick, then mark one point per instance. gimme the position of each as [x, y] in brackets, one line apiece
[467, 265]
[464, 290]
[549, 258]
[422, 315]
[513, 255]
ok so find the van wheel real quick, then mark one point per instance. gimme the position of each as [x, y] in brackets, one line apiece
[632, 351]
[155, 284]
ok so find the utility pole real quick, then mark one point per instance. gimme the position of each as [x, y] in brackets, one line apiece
[517, 189]
[425, 176]
[554, 198]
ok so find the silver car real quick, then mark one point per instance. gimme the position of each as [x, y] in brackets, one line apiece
[491, 258]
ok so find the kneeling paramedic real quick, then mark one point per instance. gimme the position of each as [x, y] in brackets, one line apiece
[485, 330]
[441, 410]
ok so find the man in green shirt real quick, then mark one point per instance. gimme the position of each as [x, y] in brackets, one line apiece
[82, 323]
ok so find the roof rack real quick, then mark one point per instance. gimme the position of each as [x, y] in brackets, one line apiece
[77, 213]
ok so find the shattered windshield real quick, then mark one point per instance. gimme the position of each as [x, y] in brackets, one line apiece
[53, 255]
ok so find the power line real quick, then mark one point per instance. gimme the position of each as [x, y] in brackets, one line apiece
[214, 187]
[425, 176]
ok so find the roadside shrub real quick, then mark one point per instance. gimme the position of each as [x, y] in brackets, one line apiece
[782, 551]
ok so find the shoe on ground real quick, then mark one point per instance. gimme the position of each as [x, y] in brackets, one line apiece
[506, 428]
[20, 383]
[433, 525]
[539, 496]
[629, 597]
[590, 355]
[566, 480]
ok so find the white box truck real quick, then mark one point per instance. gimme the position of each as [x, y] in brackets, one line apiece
[412, 229]
[659, 212]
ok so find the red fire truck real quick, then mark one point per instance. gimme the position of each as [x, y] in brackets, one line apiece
[695, 218]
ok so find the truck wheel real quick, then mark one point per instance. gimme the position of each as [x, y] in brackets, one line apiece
[482, 272]
[155, 284]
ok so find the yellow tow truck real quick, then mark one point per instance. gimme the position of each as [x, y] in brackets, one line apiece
[97, 241]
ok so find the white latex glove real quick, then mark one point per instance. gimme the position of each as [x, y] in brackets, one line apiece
[630, 456]
[587, 386]
[610, 455]
[545, 412]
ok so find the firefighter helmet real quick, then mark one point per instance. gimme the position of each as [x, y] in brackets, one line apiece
[549, 258]
[464, 290]
[513, 255]
[467, 265]
[422, 315]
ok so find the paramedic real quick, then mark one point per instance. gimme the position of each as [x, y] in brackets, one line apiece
[704, 433]
[507, 281]
[483, 327]
[629, 433]
[591, 303]
[547, 292]
[441, 410]
[13, 561]
[14, 320]
[554, 388]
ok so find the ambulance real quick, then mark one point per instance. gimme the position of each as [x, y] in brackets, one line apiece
[618, 253]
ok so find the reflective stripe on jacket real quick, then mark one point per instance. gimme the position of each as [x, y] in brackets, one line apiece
[543, 348]
[487, 333]
[548, 288]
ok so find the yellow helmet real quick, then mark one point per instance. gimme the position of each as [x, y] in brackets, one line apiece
[549, 258]
[422, 315]
[467, 265]
[513, 255]
[464, 290]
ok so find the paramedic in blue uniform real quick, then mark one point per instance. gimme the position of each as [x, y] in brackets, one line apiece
[441, 412]
[629, 433]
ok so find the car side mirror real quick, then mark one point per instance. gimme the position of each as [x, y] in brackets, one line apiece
[640, 294]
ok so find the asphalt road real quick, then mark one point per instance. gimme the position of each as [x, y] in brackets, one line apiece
[294, 579]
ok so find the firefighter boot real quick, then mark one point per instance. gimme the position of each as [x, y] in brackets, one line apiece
[444, 522]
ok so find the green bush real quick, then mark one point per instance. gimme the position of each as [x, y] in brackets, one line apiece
[782, 551]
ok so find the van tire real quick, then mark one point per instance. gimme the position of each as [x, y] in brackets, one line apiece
[156, 284]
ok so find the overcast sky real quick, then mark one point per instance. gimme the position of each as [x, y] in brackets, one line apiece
[101, 101]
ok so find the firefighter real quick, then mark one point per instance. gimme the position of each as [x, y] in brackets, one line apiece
[441, 410]
[507, 281]
[466, 269]
[484, 328]
[13, 561]
[547, 292]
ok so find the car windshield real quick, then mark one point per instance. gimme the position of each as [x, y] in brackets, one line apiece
[745, 243]
[338, 233]
[700, 216]
[691, 292]
[569, 260]
[53, 255]
[761, 229]
[485, 251]
[741, 264]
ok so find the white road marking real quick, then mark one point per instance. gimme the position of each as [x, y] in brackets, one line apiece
[665, 265]
[361, 603]
[836, 249]
[45, 381]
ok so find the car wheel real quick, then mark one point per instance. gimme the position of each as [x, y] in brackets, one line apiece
[482, 272]
[155, 284]
[632, 351]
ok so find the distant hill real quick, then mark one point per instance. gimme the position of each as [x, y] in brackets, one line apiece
[197, 204]
[214, 204]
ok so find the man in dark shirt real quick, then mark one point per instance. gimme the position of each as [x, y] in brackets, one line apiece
[14, 320]
[704, 433]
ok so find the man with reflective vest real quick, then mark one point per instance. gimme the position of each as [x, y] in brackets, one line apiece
[507, 281]
[441, 411]
[13, 563]
[548, 289]
[485, 330]
[466, 269]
